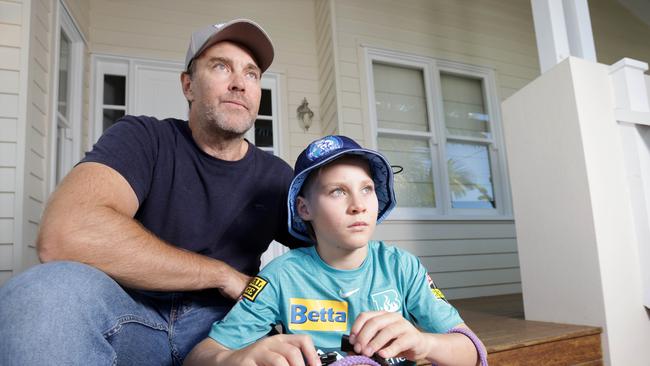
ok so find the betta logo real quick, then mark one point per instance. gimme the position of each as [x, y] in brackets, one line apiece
[318, 315]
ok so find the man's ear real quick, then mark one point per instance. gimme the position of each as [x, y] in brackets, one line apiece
[302, 206]
[186, 84]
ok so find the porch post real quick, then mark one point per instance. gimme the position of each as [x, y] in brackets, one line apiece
[633, 115]
[578, 147]
[562, 29]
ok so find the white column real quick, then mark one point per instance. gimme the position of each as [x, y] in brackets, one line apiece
[578, 24]
[633, 114]
[550, 32]
[562, 29]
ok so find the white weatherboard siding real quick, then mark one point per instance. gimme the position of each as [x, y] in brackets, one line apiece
[38, 130]
[326, 70]
[465, 259]
[618, 33]
[11, 91]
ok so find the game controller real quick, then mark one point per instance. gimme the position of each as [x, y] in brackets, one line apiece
[330, 358]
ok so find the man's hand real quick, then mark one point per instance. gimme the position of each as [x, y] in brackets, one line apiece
[388, 335]
[234, 284]
[278, 350]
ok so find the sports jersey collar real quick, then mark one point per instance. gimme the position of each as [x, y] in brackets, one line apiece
[341, 273]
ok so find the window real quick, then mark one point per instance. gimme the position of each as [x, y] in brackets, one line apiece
[66, 124]
[438, 120]
[265, 132]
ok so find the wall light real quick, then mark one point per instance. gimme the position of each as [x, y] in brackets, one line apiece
[305, 115]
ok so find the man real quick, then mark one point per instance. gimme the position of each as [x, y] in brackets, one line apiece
[157, 231]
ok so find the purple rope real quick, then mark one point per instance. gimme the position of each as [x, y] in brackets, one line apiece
[355, 360]
[482, 355]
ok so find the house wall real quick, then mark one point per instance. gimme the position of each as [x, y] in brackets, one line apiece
[13, 26]
[466, 258]
[326, 48]
[618, 33]
[38, 125]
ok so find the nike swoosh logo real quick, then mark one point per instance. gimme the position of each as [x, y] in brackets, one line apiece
[349, 293]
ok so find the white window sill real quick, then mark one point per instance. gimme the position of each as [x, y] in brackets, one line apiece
[424, 214]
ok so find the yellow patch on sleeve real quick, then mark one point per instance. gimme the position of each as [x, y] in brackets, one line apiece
[254, 288]
[438, 293]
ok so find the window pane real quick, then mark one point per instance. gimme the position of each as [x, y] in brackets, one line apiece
[265, 103]
[414, 185]
[64, 67]
[464, 107]
[110, 116]
[470, 180]
[400, 98]
[114, 89]
[263, 133]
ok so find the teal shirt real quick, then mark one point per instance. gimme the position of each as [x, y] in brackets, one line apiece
[307, 296]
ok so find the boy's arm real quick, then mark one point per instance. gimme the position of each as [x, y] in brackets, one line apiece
[282, 349]
[390, 335]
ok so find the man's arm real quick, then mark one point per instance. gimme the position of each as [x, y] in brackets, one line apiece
[283, 349]
[89, 219]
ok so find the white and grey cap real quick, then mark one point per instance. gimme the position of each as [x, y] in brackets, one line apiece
[242, 31]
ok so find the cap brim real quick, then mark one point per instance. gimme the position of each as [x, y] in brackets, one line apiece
[247, 34]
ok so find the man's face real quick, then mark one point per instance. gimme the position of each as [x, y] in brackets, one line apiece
[341, 205]
[224, 89]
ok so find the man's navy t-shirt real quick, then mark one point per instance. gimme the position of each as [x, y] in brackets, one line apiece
[227, 210]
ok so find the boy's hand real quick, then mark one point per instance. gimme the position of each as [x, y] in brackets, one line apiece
[388, 335]
[280, 350]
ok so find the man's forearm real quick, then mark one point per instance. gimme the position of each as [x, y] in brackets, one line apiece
[125, 250]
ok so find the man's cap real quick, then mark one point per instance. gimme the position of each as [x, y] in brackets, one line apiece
[243, 31]
[325, 150]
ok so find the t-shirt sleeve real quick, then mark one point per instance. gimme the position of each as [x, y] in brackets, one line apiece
[252, 317]
[129, 147]
[425, 303]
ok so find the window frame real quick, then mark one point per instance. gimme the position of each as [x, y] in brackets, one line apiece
[269, 81]
[431, 70]
[63, 155]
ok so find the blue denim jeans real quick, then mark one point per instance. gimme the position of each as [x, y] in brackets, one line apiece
[67, 313]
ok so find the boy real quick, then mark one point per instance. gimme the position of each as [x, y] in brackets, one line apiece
[345, 283]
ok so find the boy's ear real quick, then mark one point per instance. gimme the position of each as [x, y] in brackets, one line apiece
[303, 208]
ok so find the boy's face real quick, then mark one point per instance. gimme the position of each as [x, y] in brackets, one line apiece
[341, 205]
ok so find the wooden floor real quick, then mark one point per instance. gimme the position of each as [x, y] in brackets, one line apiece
[511, 340]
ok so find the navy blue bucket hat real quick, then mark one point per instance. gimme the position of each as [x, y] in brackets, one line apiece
[325, 150]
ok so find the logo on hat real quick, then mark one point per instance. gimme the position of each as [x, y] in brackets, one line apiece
[323, 147]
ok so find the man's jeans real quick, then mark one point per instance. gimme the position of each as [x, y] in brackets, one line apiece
[67, 313]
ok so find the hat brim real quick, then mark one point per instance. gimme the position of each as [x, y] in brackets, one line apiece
[246, 33]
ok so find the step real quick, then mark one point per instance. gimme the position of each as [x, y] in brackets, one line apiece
[511, 340]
